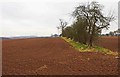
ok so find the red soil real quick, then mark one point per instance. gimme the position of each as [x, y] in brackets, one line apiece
[53, 56]
[109, 43]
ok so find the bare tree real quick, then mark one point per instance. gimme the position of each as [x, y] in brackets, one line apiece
[95, 19]
[62, 26]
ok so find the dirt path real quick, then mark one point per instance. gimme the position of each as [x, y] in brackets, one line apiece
[53, 56]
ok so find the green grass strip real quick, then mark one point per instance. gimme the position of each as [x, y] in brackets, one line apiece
[84, 48]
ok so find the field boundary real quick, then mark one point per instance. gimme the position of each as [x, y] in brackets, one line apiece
[84, 48]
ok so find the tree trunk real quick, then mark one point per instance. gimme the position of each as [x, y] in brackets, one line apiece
[92, 36]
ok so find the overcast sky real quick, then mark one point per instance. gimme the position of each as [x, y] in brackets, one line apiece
[41, 17]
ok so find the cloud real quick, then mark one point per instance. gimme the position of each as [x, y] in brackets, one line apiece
[37, 17]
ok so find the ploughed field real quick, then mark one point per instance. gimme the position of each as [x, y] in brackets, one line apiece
[109, 42]
[53, 56]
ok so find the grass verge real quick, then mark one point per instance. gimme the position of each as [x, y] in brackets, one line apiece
[84, 48]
